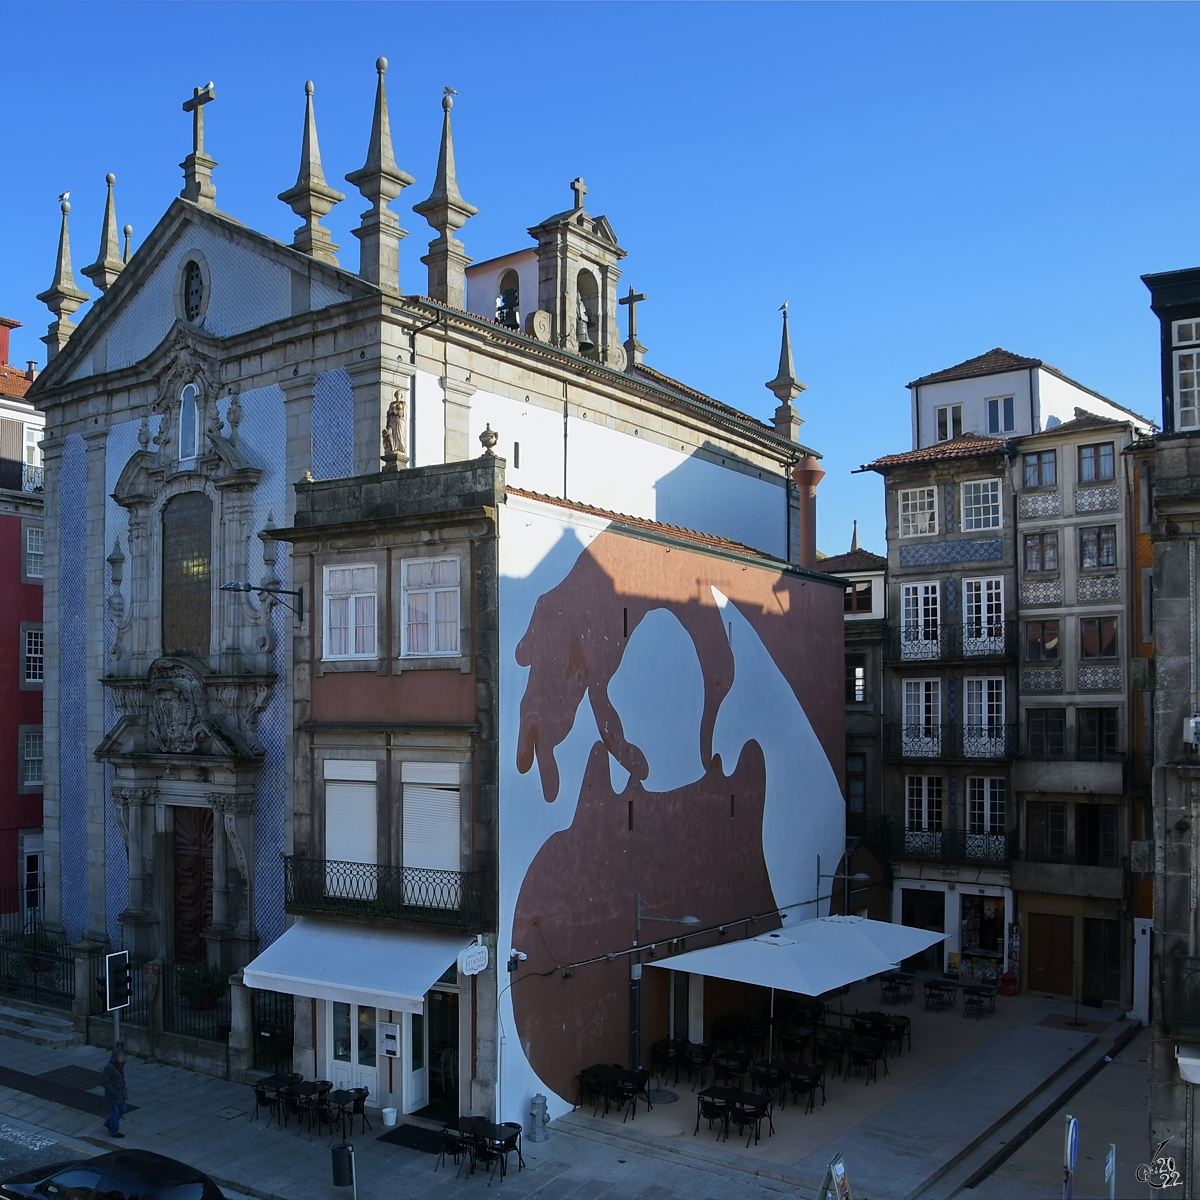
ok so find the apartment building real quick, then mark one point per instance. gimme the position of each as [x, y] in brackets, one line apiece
[1005, 808]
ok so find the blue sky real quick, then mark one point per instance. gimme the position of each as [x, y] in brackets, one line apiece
[921, 181]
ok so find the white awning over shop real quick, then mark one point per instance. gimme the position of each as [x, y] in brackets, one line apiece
[810, 957]
[356, 964]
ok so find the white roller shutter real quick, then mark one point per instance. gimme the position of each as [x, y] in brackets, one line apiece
[351, 825]
[432, 816]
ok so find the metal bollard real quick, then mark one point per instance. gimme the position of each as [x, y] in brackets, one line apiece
[539, 1118]
[343, 1167]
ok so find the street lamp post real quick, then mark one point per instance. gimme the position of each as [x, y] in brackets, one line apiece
[846, 878]
[635, 981]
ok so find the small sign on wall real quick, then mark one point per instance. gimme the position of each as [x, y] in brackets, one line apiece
[389, 1040]
[473, 960]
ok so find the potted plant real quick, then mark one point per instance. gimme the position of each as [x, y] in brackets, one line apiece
[201, 985]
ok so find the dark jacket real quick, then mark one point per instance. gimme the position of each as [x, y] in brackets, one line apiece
[113, 1080]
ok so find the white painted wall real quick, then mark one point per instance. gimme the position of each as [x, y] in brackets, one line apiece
[878, 594]
[1059, 399]
[483, 283]
[626, 474]
[972, 394]
[428, 421]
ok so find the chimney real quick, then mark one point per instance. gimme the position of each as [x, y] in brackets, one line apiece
[31, 371]
[807, 474]
[6, 324]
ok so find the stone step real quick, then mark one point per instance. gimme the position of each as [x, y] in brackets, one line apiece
[1006, 1139]
[36, 1018]
[40, 1035]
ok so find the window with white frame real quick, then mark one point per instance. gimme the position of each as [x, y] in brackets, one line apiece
[1186, 333]
[918, 512]
[351, 607]
[986, 805]
[35, 656]
[431, 607]
[981, 504]
[983, 731]
[949, 422]
[1187, 388]
[31, 759]
[35, 546]
[920, 620]
[921, 734]
[924, 808]
[983, 616]
[1000, 414]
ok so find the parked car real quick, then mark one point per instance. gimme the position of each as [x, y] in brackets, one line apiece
[122, 1175]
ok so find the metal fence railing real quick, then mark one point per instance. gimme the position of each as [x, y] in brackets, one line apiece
[994, 741]
[37, 967]
[942, 845]
[274, 1018]
[383, 893]
[195, 1001]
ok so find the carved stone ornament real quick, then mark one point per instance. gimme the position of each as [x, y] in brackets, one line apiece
[393, 431]
[189, 365]
[178, 721]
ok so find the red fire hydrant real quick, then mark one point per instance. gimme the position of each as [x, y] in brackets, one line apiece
[1008, 983]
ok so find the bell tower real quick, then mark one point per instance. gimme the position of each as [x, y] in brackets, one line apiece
[577, 281]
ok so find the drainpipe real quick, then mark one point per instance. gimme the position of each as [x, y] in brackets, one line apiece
[808, 473]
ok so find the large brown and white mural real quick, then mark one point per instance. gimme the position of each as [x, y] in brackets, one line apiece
[671, 725]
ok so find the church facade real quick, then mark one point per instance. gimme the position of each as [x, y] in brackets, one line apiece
[398, 647]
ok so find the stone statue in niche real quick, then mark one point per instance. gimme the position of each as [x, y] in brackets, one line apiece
[179, 720]
[393, 431]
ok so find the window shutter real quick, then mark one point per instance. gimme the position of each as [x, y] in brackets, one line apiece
[432, 816]
[351, 825]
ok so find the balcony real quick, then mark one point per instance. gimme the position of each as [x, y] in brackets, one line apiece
[20, 477]
[943, 845]
[1063, 877]
[945, 641]
[1060, 769]
[993, 742]
[1185, 999]
[383, 894]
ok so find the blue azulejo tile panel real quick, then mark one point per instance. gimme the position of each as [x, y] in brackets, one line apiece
[1041, 591]
[1099, 587]
[1099, 679]
[964, 550]
[72, 695]
[1041, 504]
[333, 426]
[1035, 679]
[1096, 499]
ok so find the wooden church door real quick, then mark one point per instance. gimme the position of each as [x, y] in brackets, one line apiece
[193, 881]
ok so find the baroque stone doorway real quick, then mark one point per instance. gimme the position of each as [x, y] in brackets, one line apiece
[193, 862]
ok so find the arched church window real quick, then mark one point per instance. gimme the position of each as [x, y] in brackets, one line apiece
[189, 422]
[587, 320]
[187, 574]
[193, 291]
[508, 304]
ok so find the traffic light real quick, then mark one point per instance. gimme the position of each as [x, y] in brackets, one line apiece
[118, 983]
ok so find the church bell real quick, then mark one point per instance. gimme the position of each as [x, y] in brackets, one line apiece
[582, 336]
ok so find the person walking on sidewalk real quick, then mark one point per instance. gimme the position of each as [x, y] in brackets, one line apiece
[113, 1080]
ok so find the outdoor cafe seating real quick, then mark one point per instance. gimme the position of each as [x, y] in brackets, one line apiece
[726, 1106]
[481, 1142]
[614, 1086]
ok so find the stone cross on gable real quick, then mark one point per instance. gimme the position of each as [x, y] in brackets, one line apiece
[633, 300]
[200, 97]
[577, 186]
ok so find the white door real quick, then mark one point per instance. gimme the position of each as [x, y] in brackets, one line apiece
[416, 1061]
[353, 1047]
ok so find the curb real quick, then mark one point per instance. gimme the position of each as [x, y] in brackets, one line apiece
[1015, 1143]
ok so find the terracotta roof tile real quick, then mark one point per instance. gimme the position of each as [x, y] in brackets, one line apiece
[12, 381]
[967, 445]
[994, 362]
[855, 560]
[1080, 423]
[675, 531]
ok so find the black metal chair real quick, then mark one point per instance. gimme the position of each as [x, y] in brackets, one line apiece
[710, 1109]
[458, 1147]
[730, 1067]
[264, 1098]
[321, 1112]
[508, 1146]
[593, 1088]
[694, 1058]
[746, 1115]
[626, 1091]
[358, 1108]
[866, 1054]
[664, 1056]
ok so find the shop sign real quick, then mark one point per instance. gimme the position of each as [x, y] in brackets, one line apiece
[473, 960]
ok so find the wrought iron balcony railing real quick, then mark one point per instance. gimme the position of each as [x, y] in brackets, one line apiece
[364, 891]
[943, 845]
[947, 641]
[994, 741]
